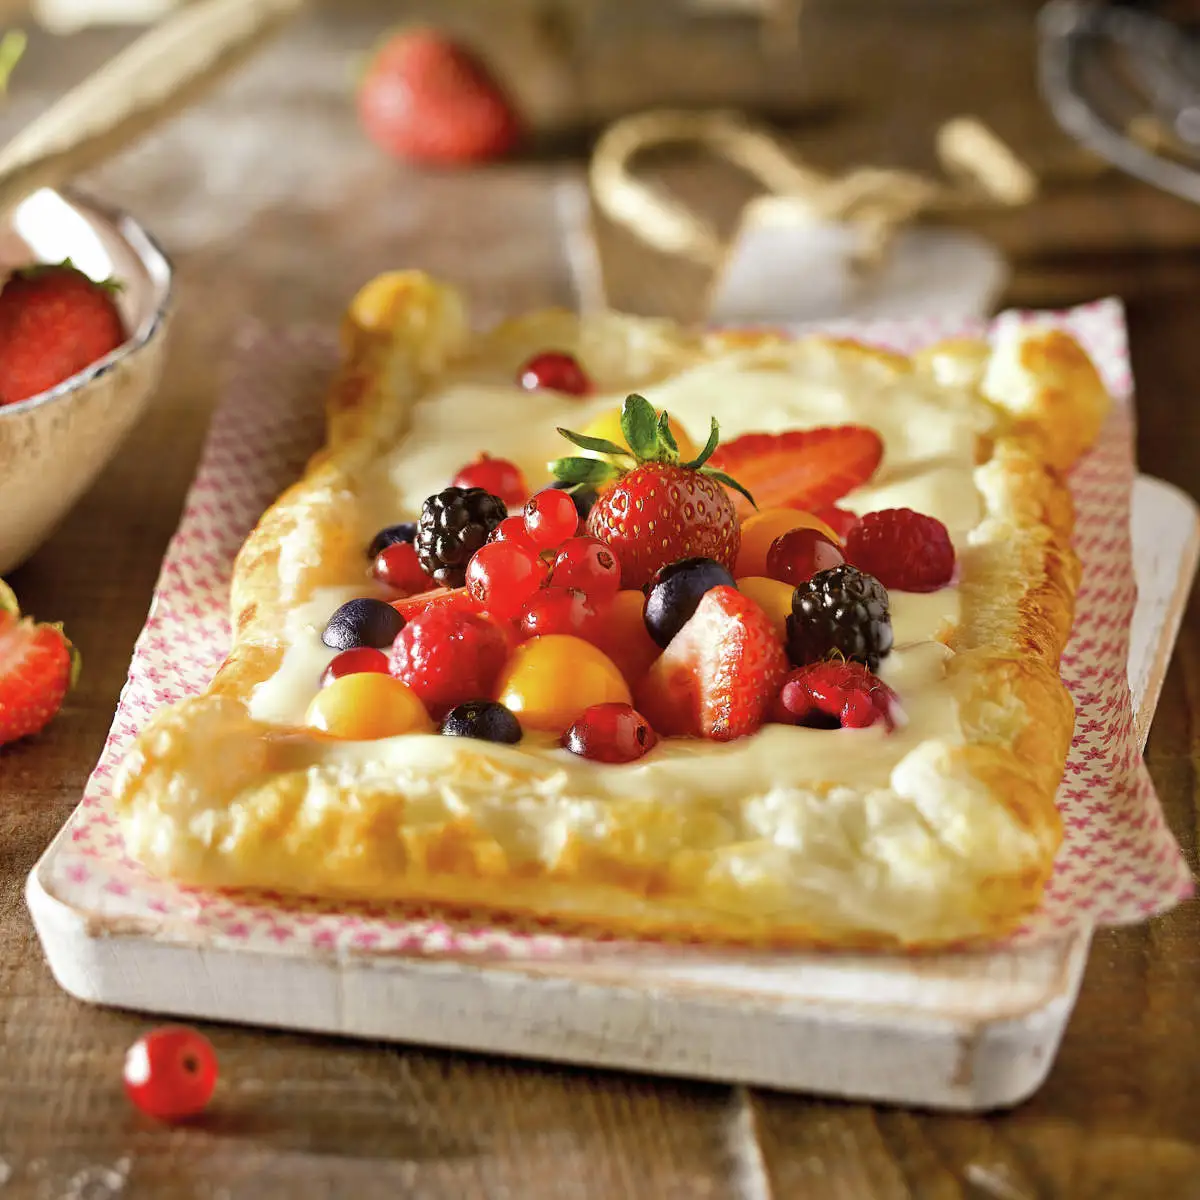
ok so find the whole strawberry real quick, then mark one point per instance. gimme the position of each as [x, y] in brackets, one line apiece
[657, 510]
[426, 98]
[54, 322]
[37, 667]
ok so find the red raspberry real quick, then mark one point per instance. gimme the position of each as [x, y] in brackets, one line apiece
[826, 695]
[903, 549]
[448, 656]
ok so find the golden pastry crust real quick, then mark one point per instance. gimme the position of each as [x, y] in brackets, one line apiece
[957, 845]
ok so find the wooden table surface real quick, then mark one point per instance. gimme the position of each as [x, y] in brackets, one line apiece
[275, 208]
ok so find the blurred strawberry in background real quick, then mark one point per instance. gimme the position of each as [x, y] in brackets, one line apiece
[429, 99]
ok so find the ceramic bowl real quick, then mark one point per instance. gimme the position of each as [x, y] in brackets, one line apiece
[54, 445]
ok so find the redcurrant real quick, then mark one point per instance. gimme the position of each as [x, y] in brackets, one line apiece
[550, 518]
[557, 371]
[796, 556]
[512, 529]
[561, 610]
[496, 475]
[170, 1073]
[353, 662]
[398, 567]
[588, 564]
[611, 733]
[501, 576]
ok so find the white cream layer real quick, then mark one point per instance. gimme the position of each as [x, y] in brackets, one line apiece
[930, 435]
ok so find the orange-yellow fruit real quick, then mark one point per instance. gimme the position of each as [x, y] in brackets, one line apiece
[608, 426]
[773, 597]
[550, 680]
[760, 530]
[365, 706]
[623, 637]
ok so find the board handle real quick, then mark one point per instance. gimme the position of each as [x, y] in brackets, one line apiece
[155, 78]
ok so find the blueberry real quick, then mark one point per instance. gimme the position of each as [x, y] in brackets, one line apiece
[363, 623]
[675, 592]
[483, 719]
[405, 532]
[584, 497]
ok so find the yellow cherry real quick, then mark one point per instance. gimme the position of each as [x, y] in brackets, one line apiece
[608, 426]
[550, 680]
[365, 706]
[760, 530]
[773, 597]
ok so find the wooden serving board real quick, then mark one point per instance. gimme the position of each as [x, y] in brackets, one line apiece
[965, 1032]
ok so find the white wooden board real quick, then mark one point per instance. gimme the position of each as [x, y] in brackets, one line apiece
[963, 1032]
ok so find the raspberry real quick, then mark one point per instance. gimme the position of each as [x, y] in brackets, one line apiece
[843, 612]
[903, 549]
[448, 656]
[829, 695]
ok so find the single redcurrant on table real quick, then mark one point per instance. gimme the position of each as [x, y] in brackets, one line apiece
[501, 576]
[556, 371]
[588, 564]
[170, 1073]
[610, 733]
[398, 567]
[550, 518]
[498, 476]
[353, 662]
[796, 556]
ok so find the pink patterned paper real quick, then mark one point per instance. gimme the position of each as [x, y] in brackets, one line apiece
[1118, 863]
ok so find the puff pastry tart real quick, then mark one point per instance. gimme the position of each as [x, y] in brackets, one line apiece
[837, 721]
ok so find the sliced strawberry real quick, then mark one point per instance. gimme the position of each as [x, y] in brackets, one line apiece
[805, 468]
[410, 606]
[455, 600]
[36, 668]
[720, 673]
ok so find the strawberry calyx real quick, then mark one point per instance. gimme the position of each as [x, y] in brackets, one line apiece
[10, 608]
[8, 600]
[36, 271]
[650, 440]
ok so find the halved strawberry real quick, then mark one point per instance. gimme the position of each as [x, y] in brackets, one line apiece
[720, 673]
[804, 468]
[454, 600]
[37, 667]
[410, 606]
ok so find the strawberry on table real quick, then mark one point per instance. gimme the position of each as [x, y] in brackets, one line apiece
[37, 667]
[804, 468]
[425, 97]
[720, 674]
[654, 509]
[54, 322]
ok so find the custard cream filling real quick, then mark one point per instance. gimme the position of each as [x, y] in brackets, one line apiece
[930, 433]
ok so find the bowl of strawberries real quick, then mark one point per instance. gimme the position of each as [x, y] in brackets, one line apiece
[84, 298]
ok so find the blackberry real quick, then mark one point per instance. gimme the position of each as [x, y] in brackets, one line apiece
[453, 525]
[842, 610]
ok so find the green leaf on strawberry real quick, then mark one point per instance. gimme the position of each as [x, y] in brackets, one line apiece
[650, 440]
[654, 509]
[8, 600]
